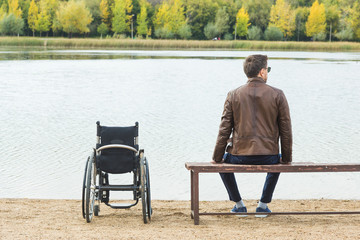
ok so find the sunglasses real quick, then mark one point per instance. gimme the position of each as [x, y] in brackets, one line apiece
[268, 69]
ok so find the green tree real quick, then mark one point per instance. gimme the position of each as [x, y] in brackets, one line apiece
[142, 21]
[316, 23]
[122, 16]
[355, 19]
[11, 25]
[255, 33]
[332, 19]
[273, 33]
[185, 31]
[259, 12]
[43, 22]
[242, 23]
[199, 14]
[210, 31]
[102, 29]
[283, 17]
[222, 21]
[33, 16]
[301, 16]
[74, 17]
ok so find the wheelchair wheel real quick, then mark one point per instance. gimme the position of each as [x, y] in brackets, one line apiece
[143, 183]
[84, 188]
[148, 192]
[90, 189]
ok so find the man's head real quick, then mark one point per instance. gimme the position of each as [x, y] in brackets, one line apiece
[256, 66]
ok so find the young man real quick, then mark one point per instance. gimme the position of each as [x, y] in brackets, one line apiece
[256, 115]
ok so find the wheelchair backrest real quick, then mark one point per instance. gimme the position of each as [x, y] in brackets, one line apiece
[115, 160]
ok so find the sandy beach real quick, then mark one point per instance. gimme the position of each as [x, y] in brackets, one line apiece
[62, 219]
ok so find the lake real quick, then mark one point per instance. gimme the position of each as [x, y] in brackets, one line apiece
[51, 99]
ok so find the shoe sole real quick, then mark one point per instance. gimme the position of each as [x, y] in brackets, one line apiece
[239, 215]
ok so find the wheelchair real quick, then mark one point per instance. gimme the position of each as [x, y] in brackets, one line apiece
[117, 152]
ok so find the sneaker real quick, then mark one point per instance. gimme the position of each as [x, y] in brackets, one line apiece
[262, 210]
[239, 210]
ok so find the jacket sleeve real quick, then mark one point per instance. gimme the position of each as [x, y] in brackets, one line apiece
[284, 122]
[225, 129]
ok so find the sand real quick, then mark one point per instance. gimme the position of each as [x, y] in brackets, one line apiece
[62, 219]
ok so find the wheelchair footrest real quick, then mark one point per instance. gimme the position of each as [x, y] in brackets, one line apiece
[121, 205]
[119, 188]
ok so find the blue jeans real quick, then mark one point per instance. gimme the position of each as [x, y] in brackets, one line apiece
[270, 182]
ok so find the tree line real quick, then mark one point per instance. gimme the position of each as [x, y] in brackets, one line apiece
[296, 20]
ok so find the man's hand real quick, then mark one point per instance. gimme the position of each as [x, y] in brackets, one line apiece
[212, 161]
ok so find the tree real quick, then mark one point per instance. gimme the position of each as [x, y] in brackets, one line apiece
[14, 8]
[255, 33]
[176, 16]
[162, 16]
[210, 31]
[332, 19]
[273, 33]
[102, 29]
[105, 12]
[301, 16]
[259, 12]
[222, 21]
[316, 23]
[199, 14]
[122, 16]
[11, 25]
[142, 21]
[355, 19]
[33, 16]
[242, 23]
[185, 31]
[74, 17]
[283, 17]
[43, 22]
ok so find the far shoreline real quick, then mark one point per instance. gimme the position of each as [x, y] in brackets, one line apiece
[158, 44]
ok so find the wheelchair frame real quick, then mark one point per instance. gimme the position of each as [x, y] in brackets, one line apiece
[93, 193]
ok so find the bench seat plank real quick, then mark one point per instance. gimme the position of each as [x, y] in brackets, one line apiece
[291, 167]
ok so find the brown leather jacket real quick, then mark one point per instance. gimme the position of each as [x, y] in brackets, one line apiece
[256, 115]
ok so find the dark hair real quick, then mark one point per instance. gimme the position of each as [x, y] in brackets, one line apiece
[253, 65]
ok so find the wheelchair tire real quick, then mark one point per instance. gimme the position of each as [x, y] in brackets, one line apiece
[143, 189]
[84, 188]
[148, 192]
[90, 189]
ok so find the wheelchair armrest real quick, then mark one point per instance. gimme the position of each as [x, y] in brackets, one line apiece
[116, 146]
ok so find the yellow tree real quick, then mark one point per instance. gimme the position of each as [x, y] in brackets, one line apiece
[32, 16]
[162, 16]
[14, 8]
[282, 17]
[316, 22]
[105, 12]
[73, 17]
[242, 23]
[176, 16]
[43, 22]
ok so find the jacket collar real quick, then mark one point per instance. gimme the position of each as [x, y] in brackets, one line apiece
[256, 79]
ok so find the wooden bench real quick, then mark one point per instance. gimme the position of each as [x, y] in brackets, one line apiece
[204, 167]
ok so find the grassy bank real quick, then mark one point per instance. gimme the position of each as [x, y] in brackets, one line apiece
[92, 43]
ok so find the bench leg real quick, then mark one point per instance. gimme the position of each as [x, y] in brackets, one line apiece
[195, 196]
